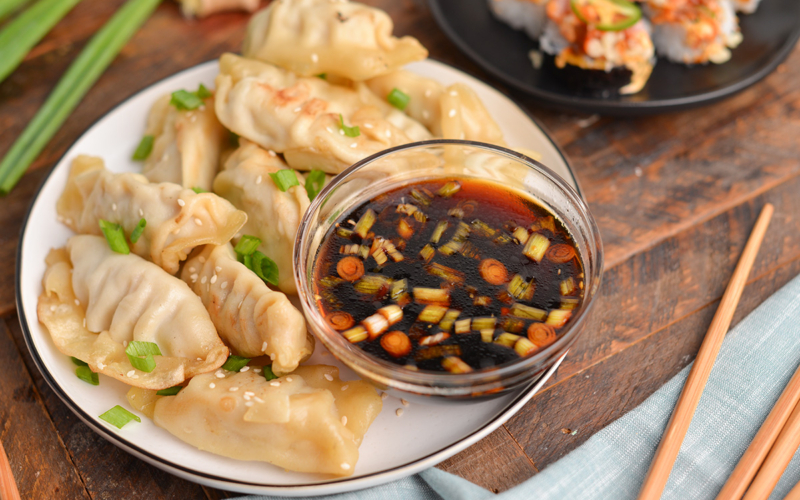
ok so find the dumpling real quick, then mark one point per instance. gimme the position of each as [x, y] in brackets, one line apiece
[311, 37]
[455, 112]
[96, 301]
[187, 144]
[203, 8]
[178, 219]
[272, 215]
[308, 421]
[301, 117]
[252, 319]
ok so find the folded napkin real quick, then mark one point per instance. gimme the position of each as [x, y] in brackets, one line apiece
[754, 365]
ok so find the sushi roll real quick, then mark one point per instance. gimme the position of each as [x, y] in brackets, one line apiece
[745, 6]
[528, 15]
[694, 31]
[599, 44]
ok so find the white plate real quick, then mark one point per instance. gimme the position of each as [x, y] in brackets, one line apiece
[393, 448]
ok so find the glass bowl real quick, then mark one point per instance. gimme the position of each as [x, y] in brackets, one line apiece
[436, 159]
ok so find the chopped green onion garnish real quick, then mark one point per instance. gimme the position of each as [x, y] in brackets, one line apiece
[185, 101]
[268, 373]
[114, 236]
[365, 223]
[138, 230]
[315, 180]
[398, 99]
[449, 189]
[199, 190]
[235, 363]
[136, 349]
[78, 79]
[202, 92]
[77, 361]
[324, 76]
[348, 131]
[247, 245]
[233, 138]
[144, 148]
[284, 179]
[264, 267]
[119, 416]
[171, 391]
[87, 375]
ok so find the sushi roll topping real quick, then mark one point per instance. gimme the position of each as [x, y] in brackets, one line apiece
[607, 15]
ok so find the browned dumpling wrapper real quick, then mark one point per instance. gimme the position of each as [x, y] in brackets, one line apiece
[96, 301]
[311, 37]
[309, 421]
[250, 317]
[178, 219]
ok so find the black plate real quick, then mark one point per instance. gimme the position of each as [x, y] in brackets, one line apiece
[769, 36]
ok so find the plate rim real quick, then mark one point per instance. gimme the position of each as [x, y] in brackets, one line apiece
[326, 486]
[607, 107]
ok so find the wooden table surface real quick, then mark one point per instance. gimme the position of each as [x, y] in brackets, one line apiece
[675, 197]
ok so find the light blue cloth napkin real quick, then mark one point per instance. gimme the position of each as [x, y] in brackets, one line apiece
[755, 363]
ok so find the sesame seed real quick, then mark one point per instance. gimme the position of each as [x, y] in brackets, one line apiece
[240, 304]
[68, 220]
[345, 466]
[192, 269]
[249, 403]
[124, 343]
[77, 302]
[135, 376]
[114, 207]
[256, 370]
[101, 365]
[367, 125]
[84, 322]
[52, 308]
[220, 375]
[398, 412]
[425, 114]
[181, 202]
[328, 377]
[258, 399]
[314, 57]
[264, 346]
[249, 394]
[344, 419]
[193, 277]
[224, 285]
[141, 213]
[428, 92]
[199, 359]
[233, 389]
[246, 397]
[218, 268]
[244, 368]
[451, 113]
[272, 153]
[213, 279]
[288, 379]
[344, 387]
[329, 129]
[298, 109]
[384, 395]
[259, 179]
[388, 133]
[201, 259]
[404, 402]
[341, 132]
[198, 221]
[454, 93]
[274, 383]
[272, 356]
[131, 373]
[354, 145]
[204, 279]
[212, 385]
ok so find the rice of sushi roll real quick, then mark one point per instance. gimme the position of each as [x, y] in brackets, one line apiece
[694, 31]
[528, 15]
[745, 6]
[598, 56]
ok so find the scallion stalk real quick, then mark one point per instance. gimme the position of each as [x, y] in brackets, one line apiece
[79, 78]
[9, 7]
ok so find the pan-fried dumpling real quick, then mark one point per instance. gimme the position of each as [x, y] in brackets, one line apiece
[310, 37]
[301, 117]
[272, 215]
[96, 301]
[252, 319]
[455, 112]
[186, 144]
[203, 8]
[178, 219]
[308, 421]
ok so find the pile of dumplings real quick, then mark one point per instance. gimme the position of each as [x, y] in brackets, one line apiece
[182, 286]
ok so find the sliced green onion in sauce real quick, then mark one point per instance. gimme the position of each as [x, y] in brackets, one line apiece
[235, 363]
[119, 416]
[170, 391]
[87, 375]
[136, 349]
[315, 181]
[398, 99]
[114, 236]
[268, 373]
[348, 131]
[247, 245]
[144, 148]
[284, 179]
[138, 230]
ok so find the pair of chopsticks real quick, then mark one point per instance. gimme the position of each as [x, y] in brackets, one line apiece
[762, 465]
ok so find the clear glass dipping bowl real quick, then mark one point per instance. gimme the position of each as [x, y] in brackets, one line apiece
[436, 159]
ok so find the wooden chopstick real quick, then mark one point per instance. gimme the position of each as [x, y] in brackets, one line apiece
[794, 494]
[778, 458]
[8, 487]
[753, 457]
[678, 424]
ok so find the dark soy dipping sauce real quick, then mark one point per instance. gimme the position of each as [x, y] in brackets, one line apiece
[497, 207]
